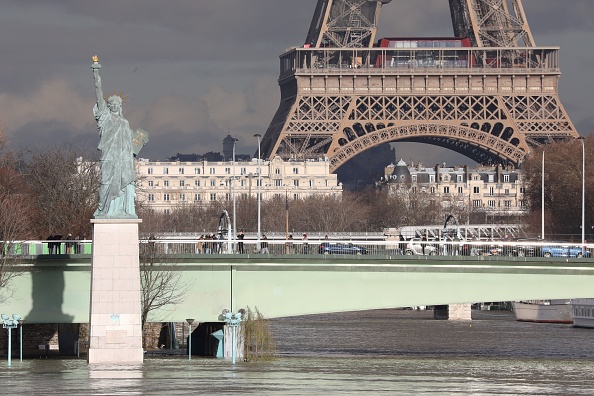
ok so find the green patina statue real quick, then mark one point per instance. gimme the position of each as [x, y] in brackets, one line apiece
[118, 145]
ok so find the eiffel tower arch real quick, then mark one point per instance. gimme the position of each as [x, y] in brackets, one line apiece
[488, 92]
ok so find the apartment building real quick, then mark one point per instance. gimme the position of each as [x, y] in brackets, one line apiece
[167, 185]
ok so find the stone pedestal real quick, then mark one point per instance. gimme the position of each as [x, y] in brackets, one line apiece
[115, 325]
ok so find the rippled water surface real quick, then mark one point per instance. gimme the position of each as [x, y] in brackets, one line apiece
[374, 352]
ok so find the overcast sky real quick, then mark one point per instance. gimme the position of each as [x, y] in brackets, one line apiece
[195, 69]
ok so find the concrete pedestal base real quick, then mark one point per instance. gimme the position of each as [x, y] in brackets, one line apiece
[115, 334]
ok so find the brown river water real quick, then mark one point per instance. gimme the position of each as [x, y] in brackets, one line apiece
[394, 352]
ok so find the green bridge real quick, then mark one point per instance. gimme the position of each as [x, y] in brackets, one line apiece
[55, 288]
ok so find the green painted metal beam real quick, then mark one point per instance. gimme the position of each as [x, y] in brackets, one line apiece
[57, 291]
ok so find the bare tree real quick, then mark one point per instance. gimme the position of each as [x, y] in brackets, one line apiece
[16, 211]
[66, 190]
[563, 189]
[161, 285]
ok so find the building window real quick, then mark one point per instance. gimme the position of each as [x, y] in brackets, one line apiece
[213, 196]
[243, 171]
[492, 203]
[446, 190]
[165, 183]
[414, 190]
[166, 211]
[295, 196]
[312, 183]
[476, 190]
[296, 183]
[475, 177]
[522, 203]
[278, 183]
[242, 183]
[414, 178]
[197, 197]
[182, 196]
[522, 190]
[277, 171]
[213, 183]
[507, 191]
[477, 203]
[151, 183]
[149, 171]
[432, 190]
[506, 178]
[507, 204]
[212, 171]
[227, 171]
[165, 171]
[197, 183]
[180, 171]
[459, 178]
[165, 197]
[182, 183]
[491, 191]
[491, 178]
[151, 197]
[460, 190]
[295, 171]
[196, 171]
[227, 197]
[431, 178]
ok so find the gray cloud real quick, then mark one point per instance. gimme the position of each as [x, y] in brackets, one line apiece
[195, 70]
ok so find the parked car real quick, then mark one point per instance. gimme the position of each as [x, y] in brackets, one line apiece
[560, 250]
[481, 249]
[415, 246]
[341, 248]
[524, 248]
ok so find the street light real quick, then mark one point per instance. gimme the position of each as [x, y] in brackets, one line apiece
[287, 220]
[233, 194]
[257, 135]
[190, 321]
[583, 139]
[233, 320]
[21, 322]
[10, 324]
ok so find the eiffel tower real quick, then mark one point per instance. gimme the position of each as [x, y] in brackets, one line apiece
[488, 92]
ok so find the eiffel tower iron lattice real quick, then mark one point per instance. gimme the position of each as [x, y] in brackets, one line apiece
[488, 93]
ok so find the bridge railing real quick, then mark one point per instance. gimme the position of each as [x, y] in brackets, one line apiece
[325, 247]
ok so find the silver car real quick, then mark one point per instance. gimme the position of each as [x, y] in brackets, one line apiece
[415, 246]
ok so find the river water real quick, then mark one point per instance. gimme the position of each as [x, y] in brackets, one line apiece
[396, 352]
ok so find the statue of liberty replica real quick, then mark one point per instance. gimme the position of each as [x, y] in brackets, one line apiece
[115, 330]
[118, 145]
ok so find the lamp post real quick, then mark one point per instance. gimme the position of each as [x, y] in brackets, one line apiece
[542, 199]
[233, 195]
[190, 321]
[257, 135]
[287, 221]
[21, 322]
[10, 324]
[233, 320]
[583, 195]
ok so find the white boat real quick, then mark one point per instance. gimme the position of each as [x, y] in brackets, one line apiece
[582, 310]
[543, 311]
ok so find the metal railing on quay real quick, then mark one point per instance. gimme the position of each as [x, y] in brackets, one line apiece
[325, 247]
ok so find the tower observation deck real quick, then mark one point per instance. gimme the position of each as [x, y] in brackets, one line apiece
[487, 92]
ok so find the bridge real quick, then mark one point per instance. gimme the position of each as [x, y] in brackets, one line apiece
[54, 288]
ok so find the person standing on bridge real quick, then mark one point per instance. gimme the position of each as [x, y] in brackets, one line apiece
[305, 244]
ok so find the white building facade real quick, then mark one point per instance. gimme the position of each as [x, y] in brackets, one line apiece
[164, 186]
[495, 189]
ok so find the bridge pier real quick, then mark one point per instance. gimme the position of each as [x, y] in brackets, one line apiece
[115, 324]
[453, 312]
